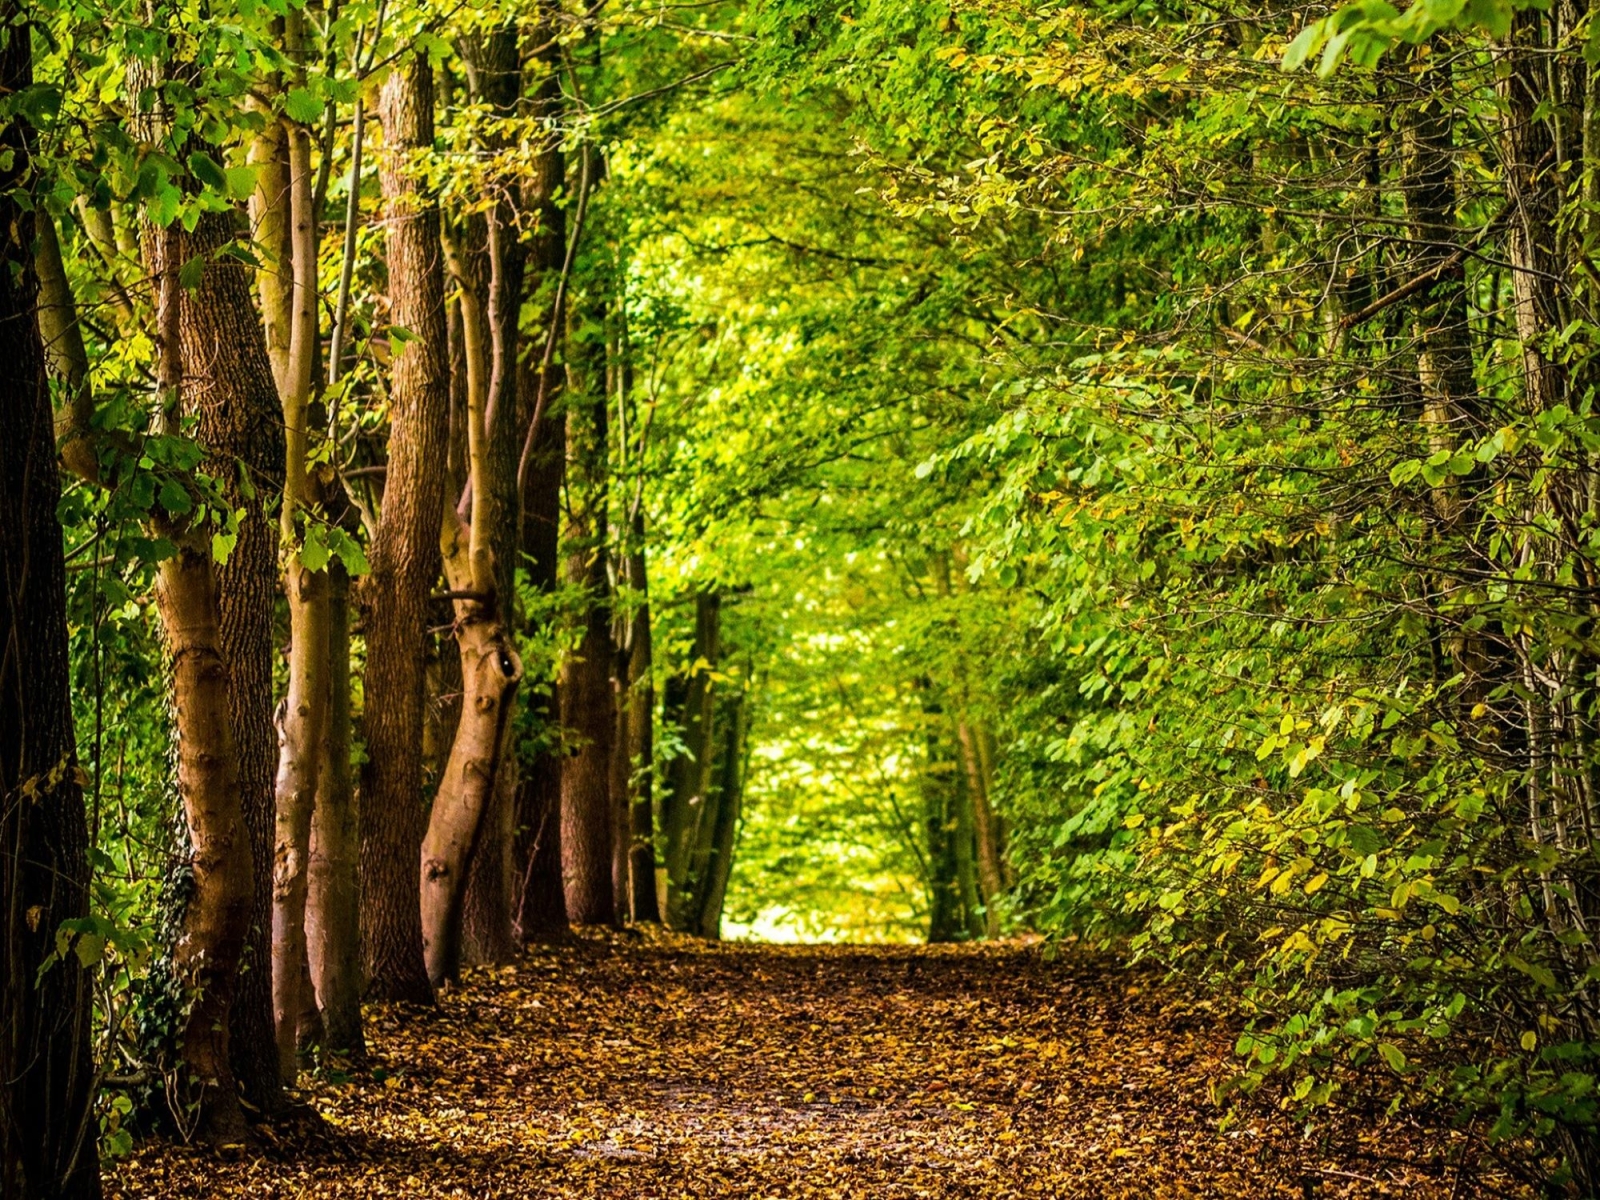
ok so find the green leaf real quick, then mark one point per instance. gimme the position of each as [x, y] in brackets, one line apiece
[1304, 46]
[190, 274]
[349, 552]
[241, 181]
[222, 545]
[1492, 15]
[314, 549]
[302, 105]
[208, 171]
[1392, 1055]
[90, 948]
[165, 200]
[174, 498]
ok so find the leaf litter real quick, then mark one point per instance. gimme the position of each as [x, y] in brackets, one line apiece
[654, 1066]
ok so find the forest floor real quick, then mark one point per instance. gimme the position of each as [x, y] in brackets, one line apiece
[630, 1067]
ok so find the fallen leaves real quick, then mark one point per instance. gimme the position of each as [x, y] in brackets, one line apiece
[619, 1066]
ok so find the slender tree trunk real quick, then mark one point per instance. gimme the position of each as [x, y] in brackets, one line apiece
[689, 777]
[991, 878]
[641, 738]
[305, 713]
[587, 716]
[47, 1133]
[479, 542]
[1533, 190]
[965, 838]
[946, 921]
[540, 897]
[404, 557]
[333, 917]
[621, 769]
[730, 798]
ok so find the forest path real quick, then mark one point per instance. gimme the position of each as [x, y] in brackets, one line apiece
[633, 1068]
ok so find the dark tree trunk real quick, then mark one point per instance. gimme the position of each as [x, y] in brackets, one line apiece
[587, 702]
[690, 776]
[734, 721]
[47, 1139]
[333, 916]
[540, 899]
[405, 558]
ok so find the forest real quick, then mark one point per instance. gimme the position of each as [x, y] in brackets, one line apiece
[799, 597]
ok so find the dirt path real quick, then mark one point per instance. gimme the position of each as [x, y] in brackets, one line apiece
[616, 1069]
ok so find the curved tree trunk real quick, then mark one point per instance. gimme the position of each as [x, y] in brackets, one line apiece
[47, 1140]
[404, 557]
[490, 673]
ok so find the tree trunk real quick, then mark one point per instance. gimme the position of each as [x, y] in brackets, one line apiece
[946, 921]
[333, 917]
[689, 777]
[587, 716]
[488, 929]
[227, 371]
[490, 671]
[621, 770]
[991, 877]
[540, 898]
[962, 823]
[730, 798]
[47, 1134]
[641, 738]
[305, 712]
[404, 557]
[479, 543]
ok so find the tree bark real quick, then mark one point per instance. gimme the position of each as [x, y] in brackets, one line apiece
[305, 712]
[404, 556]
[227, 371]
[47, 1137]
[490, 671]
[640, 745]
[587, 716]
[540, 898]
[991, 876]
[479, 543]
[689, 776]
[333, 918]
[729, 800]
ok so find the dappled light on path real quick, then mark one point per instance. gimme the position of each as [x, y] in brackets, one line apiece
[631, 1067]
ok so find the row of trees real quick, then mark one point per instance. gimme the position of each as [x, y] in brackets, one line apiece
[323, 315]
[1037, 464]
